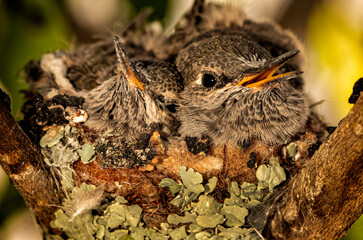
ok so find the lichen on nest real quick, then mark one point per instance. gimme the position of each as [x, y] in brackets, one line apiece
[88, 214]
[77, 156]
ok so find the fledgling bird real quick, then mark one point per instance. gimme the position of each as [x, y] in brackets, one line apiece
[231, 92]
[143, 93]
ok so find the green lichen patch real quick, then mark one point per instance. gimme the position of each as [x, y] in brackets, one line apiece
[67, 178]
[178, 233]
[112, 221]
[79, 227]
[235, 233]
[187, 218]
[211, 185]
[206, 205]
[58, 153]
[174, 187]
[291, 150]
[251, 192]
[270, 175]
[52, 136]
[202, 216]
[87, 153]
[210, 220]
[235, 215]
[192, 180]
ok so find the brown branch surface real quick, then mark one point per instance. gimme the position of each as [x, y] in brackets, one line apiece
[326, 197]
[22, 162]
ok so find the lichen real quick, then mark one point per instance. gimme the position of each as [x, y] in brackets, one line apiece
[291, 150]
[203, 217]
[59, 146]
[52, 136]
[270, 175]
[87, 153]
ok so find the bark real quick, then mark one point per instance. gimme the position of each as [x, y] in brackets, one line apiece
[22, 162]
[326, 197]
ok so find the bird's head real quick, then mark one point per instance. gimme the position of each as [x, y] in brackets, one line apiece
[235, 91]
[213, 64]
[158, 80]
[137, 97]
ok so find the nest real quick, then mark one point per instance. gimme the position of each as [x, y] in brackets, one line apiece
[109, 172]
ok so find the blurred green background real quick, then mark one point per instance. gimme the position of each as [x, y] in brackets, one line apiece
[331, 32]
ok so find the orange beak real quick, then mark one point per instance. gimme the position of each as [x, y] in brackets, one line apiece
[267, 74]
[126, 66]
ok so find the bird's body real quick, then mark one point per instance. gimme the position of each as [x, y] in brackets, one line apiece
[228, 98]
[227, 112]
[236, 115]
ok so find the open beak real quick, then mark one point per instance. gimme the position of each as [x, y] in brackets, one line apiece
[126, 66]
[268, 71]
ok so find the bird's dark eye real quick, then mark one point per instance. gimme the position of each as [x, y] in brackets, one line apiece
[208, 80]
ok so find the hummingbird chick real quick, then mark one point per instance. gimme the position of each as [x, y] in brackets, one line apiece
[235, 92]
[142, 94]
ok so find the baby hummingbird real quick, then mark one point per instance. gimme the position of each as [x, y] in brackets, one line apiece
[143, 93]
[235, 92]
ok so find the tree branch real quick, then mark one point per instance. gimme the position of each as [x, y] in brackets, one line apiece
[326, 197]
[21, 160]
